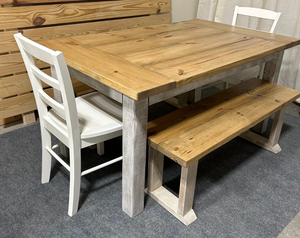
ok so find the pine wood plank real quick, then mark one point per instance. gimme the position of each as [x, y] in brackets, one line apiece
[81, 89]
[183, 70]
[28, 118]
[190, 133]
[29, 16]
[112, 71]
[135, 34]
[20, 2]
[289, 41]
[159, 57]
[26, 103]
[18, 105]
[17, 84]
[8, 43]
[20, 84]
[10, 119]
[139, 47]
[13, 63]
[6, 2]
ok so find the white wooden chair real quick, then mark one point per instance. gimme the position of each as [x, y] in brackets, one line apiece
[256, 71]
[77, 123]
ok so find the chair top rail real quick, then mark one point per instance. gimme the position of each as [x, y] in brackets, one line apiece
[256, 12]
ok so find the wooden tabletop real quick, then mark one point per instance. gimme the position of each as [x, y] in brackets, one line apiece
[143, 62]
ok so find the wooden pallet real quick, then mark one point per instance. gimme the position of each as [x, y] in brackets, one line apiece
[46, 19]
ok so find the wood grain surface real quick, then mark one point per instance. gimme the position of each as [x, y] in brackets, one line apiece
[8, 43]
[78, 12]
[188, 134]
[179, 53]
[54, 19]
[20, 2]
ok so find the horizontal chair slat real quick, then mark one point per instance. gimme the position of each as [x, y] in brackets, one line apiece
[8, 43]
[28, 16]
[26, 103]
[20, 84]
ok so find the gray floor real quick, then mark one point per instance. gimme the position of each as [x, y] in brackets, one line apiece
[291, 230]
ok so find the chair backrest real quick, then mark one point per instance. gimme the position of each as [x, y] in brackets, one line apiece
[256, 12]
[67, 110]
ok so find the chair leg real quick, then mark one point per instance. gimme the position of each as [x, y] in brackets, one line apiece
[46, 156]
[75, 178]
[198, 94]
[100, 148]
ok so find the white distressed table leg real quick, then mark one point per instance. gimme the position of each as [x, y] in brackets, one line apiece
[57, 96]
[271, 74]
[135, 116]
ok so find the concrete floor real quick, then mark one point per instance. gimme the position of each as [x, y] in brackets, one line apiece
[292, 230]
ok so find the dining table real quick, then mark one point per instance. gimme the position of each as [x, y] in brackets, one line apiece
[142, 66]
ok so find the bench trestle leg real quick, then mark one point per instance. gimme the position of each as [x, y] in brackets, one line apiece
[180, 207]
[270, 144]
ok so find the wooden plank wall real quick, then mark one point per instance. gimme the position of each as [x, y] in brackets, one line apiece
[52, 19]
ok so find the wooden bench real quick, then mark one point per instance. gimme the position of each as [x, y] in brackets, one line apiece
[188, 134]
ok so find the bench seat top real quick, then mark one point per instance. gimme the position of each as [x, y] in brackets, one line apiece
[188, 134]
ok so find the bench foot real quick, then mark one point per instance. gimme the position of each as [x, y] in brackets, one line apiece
[260, 141]
[180, 207]
[170, 203]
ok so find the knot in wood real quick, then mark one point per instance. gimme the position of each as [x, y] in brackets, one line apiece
[39, 21]
[176, 148]
[276, 100]
[180, 71]
[251, 91]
